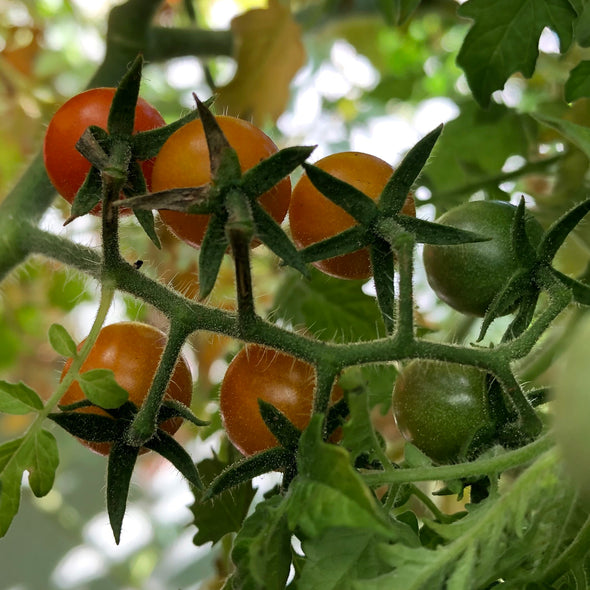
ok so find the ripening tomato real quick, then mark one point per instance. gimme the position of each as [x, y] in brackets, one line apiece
[66, 167]
[183, 161]
[313, 217]
[262, 373]
[442, 408]
[468, 276]
[132, 350]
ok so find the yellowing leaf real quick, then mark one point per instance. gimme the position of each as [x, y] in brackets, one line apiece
[269, 53]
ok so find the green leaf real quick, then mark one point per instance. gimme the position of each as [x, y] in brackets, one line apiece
[18, 398]
[505, 39]
[224, 513]
[120, 467]
[349, 198]
[90, 427]
[36, 453]
[61, 341]
[101, 388]
[262, 549]
[579, 135]
[329, 308]
[578, 83]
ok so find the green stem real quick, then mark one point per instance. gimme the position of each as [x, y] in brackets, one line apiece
[405, 252]
[145, 422]
[325, 376]
[427, 501]
[477, 468]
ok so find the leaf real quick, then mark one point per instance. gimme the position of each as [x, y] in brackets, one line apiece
[579, 135]
[578, 83]
[61, 341]
[329, 308]
[18, 398]
[262, 548]
[101, 388]
[36, 453]
[505, 39]
[225, 512]
[269, 54]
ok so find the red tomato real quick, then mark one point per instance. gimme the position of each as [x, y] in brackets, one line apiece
[183, 161]
[313, 217]
[66, 167]
[262, 373]
[132, 351]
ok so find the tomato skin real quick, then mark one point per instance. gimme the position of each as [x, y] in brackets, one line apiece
[313, 217]
[183, 161]
[256, 373]
[468, 276]
[66, 167]
[132, 351]
[441, 407]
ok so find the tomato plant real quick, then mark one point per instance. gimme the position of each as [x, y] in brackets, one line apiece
[257, 373]
[442, 408]
[183, 161]
[313, 217]
[132, 351]
[468, 276]
[65, 166]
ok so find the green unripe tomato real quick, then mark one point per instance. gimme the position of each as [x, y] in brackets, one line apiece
[571, 407]
[442, 408]
[468, 276]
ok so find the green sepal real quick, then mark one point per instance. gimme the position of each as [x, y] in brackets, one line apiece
[213, 248]
[382, 262]
[165, 445]
[239, 472]
[146, 220]
[505, 300]
[89, 427]
[261, 178]
[348, 241]
[394, 194]
[88, 196]
[580, 291]
[280, 426]
[353, 201]
[122, 113]
[560, 229]
[429, 232]
[120, 467]
[94, 145]
[268, 231]
[521, 245]
[190, 10]
[524, 315]
[190, 200]
[172, 408]
[18, 398]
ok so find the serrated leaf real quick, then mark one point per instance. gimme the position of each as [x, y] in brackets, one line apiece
[329, 308]
[504, 39]
[90, 427]
[36, 453]
[347, 197]
[224, 513]
[122, 459]
[61, 341]
[262, 549]
[18, 398]
[269, 54]
[101, 388]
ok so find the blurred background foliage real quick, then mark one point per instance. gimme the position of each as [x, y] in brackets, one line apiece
[335, 73]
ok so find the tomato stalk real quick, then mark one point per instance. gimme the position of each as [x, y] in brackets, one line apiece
[404, 248]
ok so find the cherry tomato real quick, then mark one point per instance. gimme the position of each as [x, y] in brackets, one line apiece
[468, 276]
[442, 408]
[313, 217]
[262, 373]
[183, 161]
[66, 167]
[132, 351]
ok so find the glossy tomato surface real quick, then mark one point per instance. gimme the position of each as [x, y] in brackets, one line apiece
[262, 373]
[313, 217]
[132, 351]
[441, 408]
[65, 166]
[468, 276]
[183, 161]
